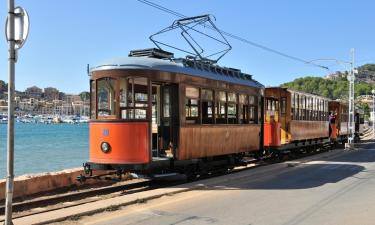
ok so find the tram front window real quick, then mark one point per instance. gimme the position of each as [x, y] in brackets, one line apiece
[106, 97]
[133, 98]
[92, 100]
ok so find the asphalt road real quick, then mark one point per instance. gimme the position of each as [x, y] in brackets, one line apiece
[338, 190]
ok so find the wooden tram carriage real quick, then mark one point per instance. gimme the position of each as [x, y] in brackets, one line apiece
[294, 119]
[156, 114]
[153, 114]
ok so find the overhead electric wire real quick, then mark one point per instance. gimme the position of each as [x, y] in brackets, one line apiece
[162, 8]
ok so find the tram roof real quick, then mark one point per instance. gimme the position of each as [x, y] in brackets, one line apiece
[183, 66]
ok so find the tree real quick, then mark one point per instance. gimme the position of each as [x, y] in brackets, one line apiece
[3, 86]
[84, 95]
[333, 89]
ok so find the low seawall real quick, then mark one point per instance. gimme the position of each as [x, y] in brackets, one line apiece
[43, 182]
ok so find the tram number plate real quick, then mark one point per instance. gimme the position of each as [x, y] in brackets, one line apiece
[105, 132]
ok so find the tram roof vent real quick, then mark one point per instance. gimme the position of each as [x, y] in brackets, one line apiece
[151, 53]
[226, 71]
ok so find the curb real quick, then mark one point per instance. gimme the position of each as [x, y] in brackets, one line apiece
[99, 210]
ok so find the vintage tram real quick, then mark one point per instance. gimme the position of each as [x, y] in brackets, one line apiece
[151, 113]
[294, 120]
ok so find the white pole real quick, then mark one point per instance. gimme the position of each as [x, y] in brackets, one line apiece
[373, 114]
[351, 100]
[10, 141]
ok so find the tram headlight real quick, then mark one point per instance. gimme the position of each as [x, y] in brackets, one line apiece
[105, 147]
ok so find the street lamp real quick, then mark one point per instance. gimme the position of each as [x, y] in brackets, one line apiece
[351, 78]
[373, 113]
[16, 31]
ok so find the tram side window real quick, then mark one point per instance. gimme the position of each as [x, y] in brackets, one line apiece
[321, 111]
[220, 110]
[192, 105]
[92, 100]
[243, 109]
[253, 101]
[302, 107]
[232, 108]
[296, 105]
[106, 97]
[283, 105]
[207, 106]
[133, 98]
[293, 106]
[309, 112]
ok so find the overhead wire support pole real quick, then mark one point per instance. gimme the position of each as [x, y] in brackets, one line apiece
[373, 113]
[351, 79]
[10, 140]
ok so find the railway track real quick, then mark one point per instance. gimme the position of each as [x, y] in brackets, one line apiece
[60, 201]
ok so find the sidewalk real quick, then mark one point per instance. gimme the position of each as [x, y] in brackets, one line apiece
[141, 197]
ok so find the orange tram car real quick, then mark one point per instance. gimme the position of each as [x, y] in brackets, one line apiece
[153, 114]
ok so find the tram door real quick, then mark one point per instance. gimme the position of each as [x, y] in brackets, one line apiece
[283, 120]
[164, 120]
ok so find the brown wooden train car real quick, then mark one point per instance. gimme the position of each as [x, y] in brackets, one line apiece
[340, 110]
[156, 112]
[294, 119]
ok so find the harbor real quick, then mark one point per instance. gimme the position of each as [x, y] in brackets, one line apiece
[46, 119]
[43, 147]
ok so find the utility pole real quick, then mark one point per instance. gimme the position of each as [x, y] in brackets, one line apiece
[351, 79]
[16, 38]
[10, 143]
[373, 113]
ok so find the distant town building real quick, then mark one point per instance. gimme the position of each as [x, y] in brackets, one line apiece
[72, 98]
[34, 92]
[3, 106]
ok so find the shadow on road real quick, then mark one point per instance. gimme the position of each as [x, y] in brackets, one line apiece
[309, 176]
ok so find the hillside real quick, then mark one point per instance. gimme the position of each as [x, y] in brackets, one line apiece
[335, 86]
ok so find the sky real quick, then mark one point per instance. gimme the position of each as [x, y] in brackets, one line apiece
[67, 35]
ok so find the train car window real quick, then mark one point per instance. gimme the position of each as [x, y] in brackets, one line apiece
[243, 109]
[232, 108]
[311, 111]
[220, 109]
[133, 98]
[92, 100]
[192, 105]
[318, 109]
[292, 106]
[166, 103]
[207, 106]
[106, 95]
[310, 115]
[303, 104]
[314, 109]
[296, 105]
[259, 108]
[253, 101]
[283, 105]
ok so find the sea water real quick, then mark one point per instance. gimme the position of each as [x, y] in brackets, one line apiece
[45, 147]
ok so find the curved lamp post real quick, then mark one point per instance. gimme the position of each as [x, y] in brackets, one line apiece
[16, 32]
